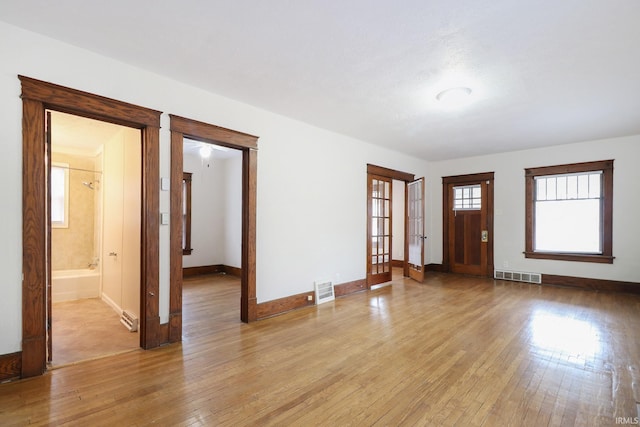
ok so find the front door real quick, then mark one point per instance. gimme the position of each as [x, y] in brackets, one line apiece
[379, 229]
[415, 230]
[468, 213]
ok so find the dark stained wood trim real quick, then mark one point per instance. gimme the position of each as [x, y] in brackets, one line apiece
[467, 179]
[390, 173]
[232, 271]
[175, 238]
[249, 302]
[36, 97]
[186, 180]
[34, 226]
[606, 166]
[205, 132]
[592, 284]
[150, 242]
[211, 269]
[204, 269]
[570, 168]
[10, 366]
[435, 267]
[571, 257]
[462, 179]
[350, 287]
[88, 105]
[399, 263]
[180, 128]
[282, 305]
[163, 333]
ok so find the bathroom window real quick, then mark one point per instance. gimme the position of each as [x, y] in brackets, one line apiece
[59, 195]
[186, 213]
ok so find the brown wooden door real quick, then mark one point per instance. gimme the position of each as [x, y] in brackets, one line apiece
[379, 189]
[469, 226]
[415, 229]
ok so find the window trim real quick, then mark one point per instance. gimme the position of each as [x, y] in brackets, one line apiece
[186, 182]
[606, 166]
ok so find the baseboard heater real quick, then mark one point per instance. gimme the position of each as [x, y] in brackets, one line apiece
[518, 276]
[129, 320]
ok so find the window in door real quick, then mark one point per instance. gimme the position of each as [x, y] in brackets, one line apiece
[570, 208]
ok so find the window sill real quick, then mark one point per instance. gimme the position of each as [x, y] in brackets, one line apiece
[602, 259]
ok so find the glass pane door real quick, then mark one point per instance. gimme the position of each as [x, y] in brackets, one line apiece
[379, 230]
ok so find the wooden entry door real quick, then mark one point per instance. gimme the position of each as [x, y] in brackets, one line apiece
[468, 224]
[379, 189]
[415, 230]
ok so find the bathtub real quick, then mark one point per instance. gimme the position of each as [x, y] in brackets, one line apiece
[68, 285]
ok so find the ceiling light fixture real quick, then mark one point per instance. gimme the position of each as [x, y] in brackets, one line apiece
[205, 151]
[455, 96]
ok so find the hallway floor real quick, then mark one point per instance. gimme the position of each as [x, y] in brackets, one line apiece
[87, 329]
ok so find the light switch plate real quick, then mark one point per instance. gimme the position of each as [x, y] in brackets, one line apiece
[164, 184]
[164, 218]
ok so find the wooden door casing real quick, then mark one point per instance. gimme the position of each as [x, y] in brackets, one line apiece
[37, 96]
[463, 249]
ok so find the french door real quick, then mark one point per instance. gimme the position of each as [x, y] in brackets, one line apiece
[379, 196]
[415, 229]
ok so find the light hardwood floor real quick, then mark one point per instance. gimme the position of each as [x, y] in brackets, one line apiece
[453, 351]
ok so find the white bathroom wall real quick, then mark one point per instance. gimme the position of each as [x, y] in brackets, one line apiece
[121, 221]
[112, 224]
[509, 205]
[131, 220]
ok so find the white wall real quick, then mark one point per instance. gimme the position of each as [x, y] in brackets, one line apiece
[311, 203]
[233, 211]
[207, 211]
[397, 243]
[509, 209]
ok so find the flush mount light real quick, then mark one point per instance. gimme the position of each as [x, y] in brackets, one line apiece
[455, 96]
[205, 151]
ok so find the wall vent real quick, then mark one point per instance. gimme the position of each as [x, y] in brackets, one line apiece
[324, 292]
[518, 276]
[129, 320]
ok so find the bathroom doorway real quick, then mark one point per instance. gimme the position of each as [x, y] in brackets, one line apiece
[94, 184]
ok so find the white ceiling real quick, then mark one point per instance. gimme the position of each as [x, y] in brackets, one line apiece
[543, 72]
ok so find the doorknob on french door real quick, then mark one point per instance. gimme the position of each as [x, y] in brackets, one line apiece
[484, 236]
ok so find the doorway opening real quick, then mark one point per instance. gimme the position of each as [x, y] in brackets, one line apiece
[243, 149]
[212, 218]
[385, 213]
[38, 96]
[94, 195]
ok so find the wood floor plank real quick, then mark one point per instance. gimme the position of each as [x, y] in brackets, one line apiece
[453, 351]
